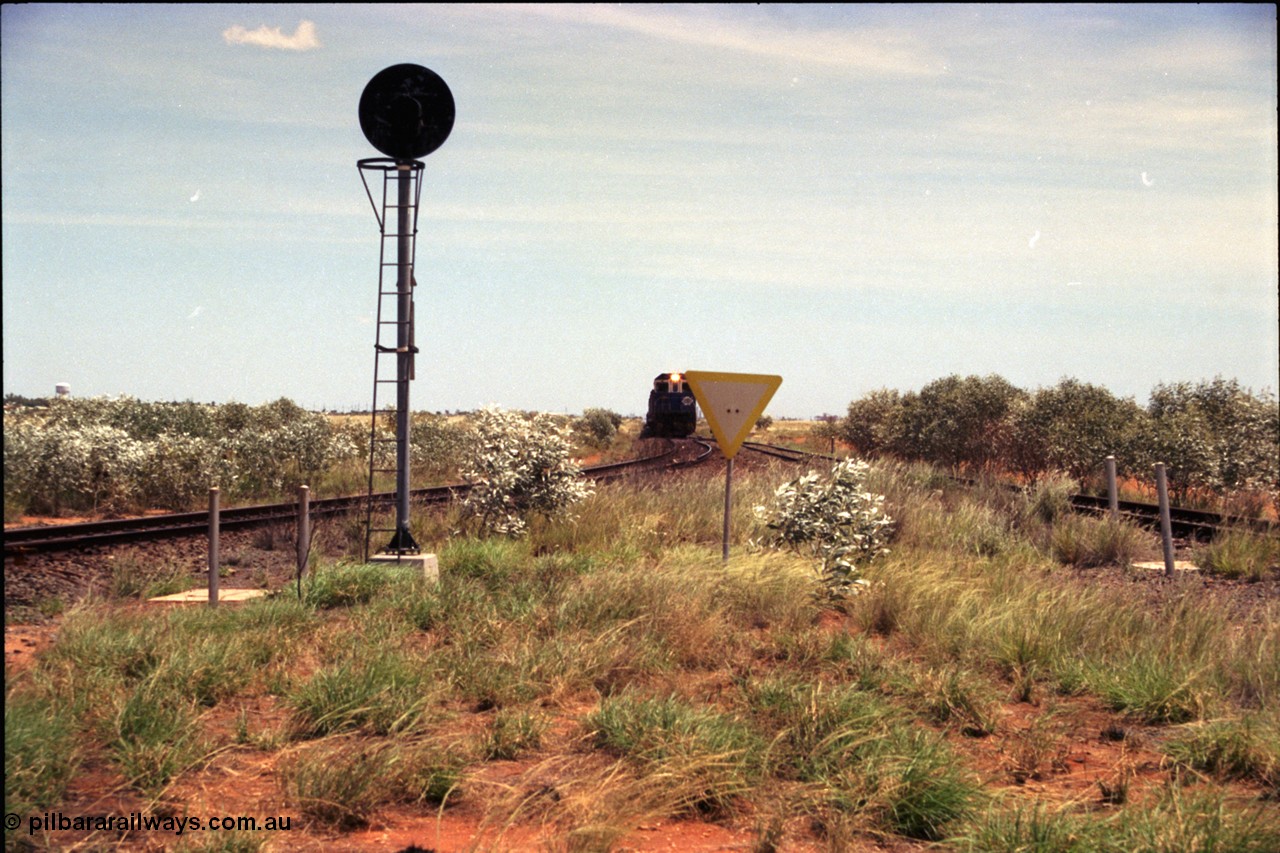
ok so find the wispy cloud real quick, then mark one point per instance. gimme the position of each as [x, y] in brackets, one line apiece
[304, 38]
[869, 51]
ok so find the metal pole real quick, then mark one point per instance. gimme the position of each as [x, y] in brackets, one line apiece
[1113, 500]
[213, 547]
[728, 483]
[304, 531]
[1166, 526]
[402, 541]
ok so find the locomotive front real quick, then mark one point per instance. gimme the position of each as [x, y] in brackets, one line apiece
[673, 413]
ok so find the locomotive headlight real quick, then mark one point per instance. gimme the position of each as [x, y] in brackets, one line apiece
[675, 377]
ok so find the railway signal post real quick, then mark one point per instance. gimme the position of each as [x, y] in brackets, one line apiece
[406, 112]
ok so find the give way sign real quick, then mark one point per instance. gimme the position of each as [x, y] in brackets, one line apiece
[731, 403]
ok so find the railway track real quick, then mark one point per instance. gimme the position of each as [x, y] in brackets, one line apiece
[19, 541]
[1186, 523]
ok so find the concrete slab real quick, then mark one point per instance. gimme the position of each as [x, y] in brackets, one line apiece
[201, 596]
[428, 564]
[1178, 566]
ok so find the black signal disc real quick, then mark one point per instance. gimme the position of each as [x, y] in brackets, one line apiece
[406, 111]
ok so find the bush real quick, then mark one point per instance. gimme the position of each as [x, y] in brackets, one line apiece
[599, 426]
[519, 467]
[835, 520]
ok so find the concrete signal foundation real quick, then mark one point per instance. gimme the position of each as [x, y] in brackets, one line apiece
[428, 564]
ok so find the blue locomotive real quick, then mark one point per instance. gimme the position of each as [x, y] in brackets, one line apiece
[673, 413]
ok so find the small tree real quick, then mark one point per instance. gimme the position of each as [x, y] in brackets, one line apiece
[519, 466]
[870, 422]
[834, 519]
[599, 426]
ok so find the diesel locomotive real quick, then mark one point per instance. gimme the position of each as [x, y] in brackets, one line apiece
[673, 413]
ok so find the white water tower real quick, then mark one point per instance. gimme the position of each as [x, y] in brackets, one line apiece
[62, 389]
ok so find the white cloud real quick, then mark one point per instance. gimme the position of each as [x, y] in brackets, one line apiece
[304, 38]
[871, 51]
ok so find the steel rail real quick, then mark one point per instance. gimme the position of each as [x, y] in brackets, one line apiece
[1187, 523]
[68, 537]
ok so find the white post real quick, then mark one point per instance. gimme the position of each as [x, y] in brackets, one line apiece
[213, 547]
[1166, 525]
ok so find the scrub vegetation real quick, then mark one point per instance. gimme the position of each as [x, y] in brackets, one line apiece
[1001, 681]
[1219, 441]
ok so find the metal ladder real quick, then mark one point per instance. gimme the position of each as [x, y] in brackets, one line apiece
[388, 325]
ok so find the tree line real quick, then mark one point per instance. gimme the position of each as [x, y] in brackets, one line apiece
[1213, 435]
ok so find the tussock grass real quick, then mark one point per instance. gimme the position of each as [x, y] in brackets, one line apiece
[1087, 543]
[1182, 819]
[340, 783]
[1246, 747]
[40, 753]
[154, 735]
[707, 758]
[1240, 554]
[633, 678]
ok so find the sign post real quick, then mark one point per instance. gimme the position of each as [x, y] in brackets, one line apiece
[731, 403]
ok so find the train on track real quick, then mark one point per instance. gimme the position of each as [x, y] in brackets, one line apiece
[673, 413]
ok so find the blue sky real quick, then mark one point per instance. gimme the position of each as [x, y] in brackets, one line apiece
[851, 197]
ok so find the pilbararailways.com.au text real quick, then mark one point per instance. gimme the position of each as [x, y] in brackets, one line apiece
[139, 822]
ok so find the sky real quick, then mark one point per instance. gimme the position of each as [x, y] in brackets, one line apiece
[852, 197]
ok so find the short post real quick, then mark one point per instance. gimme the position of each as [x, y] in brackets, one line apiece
[728, 483]
[1113, 500]
[213, 547]
[1166, 525]
[304, 532]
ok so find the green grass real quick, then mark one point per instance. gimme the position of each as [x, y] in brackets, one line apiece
[1240, 554]
[630, 677]
[709, 757]
[1181, 820]
[40, 753]
[341, 783]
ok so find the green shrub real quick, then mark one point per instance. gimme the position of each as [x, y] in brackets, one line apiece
[835, 520]
[519, 467]
[599, 426]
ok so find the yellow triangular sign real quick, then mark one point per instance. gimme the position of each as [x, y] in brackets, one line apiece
[731, 403]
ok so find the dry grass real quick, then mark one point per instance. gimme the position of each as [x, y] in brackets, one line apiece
[609, 674]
